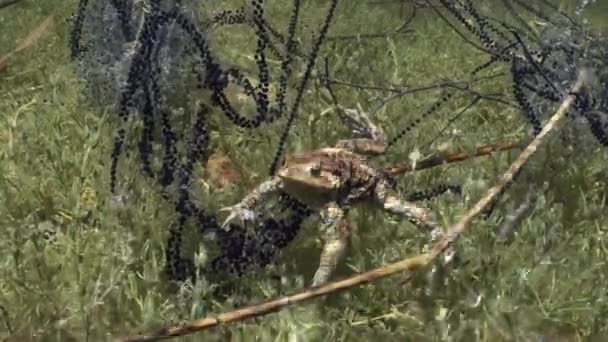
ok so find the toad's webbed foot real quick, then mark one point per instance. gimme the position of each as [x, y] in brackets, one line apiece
[360, 124]
[243, 211]
[420, 216]
[366, 137]
[240, 213]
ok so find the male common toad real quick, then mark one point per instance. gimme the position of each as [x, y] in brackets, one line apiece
[332, 179]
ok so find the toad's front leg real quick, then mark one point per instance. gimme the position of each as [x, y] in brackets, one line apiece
[336, 233]
[244, 210]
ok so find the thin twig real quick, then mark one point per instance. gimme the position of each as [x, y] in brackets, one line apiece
[404, 90]
[6, 3]
[409, 264]
[515, 216]
[452, 120]
[449, 158]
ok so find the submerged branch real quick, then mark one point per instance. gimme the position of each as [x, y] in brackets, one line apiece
[448, 158]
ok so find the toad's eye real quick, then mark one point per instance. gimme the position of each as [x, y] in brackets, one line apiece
[315, 170]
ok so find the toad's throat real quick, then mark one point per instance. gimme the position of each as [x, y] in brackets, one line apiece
[310, 191]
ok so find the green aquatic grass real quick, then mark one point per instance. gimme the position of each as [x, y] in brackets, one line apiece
[76, 268]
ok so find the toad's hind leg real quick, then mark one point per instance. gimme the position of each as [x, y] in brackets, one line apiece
[420, 216]
[336, 234]
[366, 137]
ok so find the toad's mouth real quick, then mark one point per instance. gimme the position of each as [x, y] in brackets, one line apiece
[311, 197]
[311, 191]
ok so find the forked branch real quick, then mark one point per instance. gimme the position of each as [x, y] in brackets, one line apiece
[409, 264]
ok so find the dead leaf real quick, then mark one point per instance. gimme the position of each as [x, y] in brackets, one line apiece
[38, 32]
[32, 37]
[222, 171]
[3, 63]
